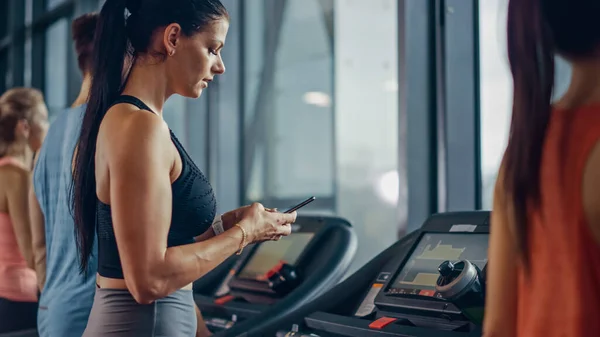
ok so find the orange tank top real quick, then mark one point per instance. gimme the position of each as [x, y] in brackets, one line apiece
[561, 296]
[17, 281]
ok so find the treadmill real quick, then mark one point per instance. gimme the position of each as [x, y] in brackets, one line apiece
[275, 278]
[395, 294]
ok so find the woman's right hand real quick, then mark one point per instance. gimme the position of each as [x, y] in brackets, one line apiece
[262, 224]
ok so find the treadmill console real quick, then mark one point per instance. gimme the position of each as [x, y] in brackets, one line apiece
[310, 260]
[413, 286]
[273, 268]
[269, 254]
[399, 293]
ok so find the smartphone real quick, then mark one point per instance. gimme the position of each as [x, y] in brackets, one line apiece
[300, 205]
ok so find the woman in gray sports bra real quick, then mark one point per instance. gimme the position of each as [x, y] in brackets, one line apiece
[136, 188]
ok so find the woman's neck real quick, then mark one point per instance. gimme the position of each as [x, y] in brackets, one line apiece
[20, 153]
[84, 92]
[147, 81]
[584, 88]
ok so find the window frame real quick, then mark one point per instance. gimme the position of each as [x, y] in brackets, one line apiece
[461, 127]
[417, 98]
[439, 112]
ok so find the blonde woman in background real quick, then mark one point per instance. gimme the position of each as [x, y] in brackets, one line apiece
[23, 124]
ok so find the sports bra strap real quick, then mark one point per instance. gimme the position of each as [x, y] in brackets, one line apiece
[11, 161]
[133, 101]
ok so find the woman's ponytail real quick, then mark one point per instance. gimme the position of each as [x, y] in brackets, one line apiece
[110, 46]
[531, 55]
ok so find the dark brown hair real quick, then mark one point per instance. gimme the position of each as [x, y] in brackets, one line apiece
[15, 105]
[83, 29]
[536, 31]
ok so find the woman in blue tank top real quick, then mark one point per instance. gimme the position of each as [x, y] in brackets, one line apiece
[136, 188]
[66, 296]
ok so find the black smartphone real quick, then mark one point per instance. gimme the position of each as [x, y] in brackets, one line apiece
[300, 205]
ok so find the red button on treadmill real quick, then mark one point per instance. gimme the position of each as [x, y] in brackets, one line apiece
[224, 299]
[272, 271]
[427, 292]
[382, 322]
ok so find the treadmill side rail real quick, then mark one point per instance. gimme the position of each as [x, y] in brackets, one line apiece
[356, 327]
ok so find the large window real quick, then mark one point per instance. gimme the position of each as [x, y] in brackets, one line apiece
[496, 90]
[366, 123]
[321, 112]
[51, 4]
[288, 110]
[174, 115]
[3, 49]
[3, 69]
[3, 18]
[57, 43]
[308, 106]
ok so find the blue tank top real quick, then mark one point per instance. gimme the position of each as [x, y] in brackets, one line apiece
[68, 295]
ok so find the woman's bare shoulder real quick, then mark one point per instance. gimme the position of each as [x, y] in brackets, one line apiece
[14, 177]
[125, 122]
[129, 134]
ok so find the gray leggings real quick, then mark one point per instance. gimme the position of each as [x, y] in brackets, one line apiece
[116, 314]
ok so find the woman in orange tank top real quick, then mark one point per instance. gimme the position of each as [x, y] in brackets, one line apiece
[23, 121]
[544, 255]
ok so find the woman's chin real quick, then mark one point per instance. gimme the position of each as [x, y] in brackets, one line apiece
[199, 88]
[194, 93]
[198, 93]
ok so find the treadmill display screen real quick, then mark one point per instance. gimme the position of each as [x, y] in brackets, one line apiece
[419, 274]
[270, 253]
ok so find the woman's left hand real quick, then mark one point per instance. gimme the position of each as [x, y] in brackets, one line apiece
[228, 220]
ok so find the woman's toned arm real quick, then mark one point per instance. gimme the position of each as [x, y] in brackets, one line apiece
[501, 297]
[18, 209]
[140, 156]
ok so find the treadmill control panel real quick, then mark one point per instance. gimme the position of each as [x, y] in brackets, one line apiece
[271, 253]
[400, 297]
[408, 283]
[419, 274]
[272, 269]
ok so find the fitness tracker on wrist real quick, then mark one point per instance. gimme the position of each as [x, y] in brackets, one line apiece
[217, 225]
